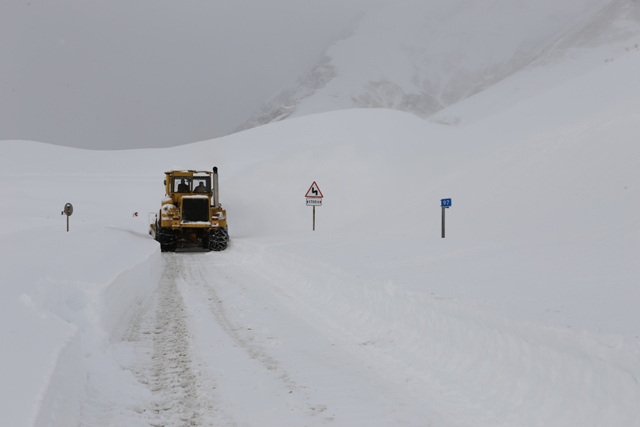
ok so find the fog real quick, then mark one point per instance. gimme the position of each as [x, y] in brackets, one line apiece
[156, 73]
[153, 73]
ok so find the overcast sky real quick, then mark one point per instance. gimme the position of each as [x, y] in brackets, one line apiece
[152, 73]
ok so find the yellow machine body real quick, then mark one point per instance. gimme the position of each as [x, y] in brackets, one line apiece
[190, 214]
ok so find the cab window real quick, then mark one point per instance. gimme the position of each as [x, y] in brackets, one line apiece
[201, 184]
[181, 184]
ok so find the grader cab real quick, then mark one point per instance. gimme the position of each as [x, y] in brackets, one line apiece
[190, 215]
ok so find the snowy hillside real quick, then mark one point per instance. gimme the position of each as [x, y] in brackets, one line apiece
[421, 57]
[526, 314]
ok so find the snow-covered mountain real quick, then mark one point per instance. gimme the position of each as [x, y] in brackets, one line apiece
[421, 57]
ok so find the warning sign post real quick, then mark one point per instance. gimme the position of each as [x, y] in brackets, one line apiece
[314, 198]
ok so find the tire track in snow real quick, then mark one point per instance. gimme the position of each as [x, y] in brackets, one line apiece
[164, 362]
[228, 300]
[172, 378]
[268, 360]
[233, 330]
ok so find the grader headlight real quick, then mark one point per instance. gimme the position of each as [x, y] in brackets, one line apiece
[169, 212]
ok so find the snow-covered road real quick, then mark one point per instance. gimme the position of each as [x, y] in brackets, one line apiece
[222, 343]
[257, 336]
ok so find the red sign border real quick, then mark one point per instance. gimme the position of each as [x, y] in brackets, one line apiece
[309, 191]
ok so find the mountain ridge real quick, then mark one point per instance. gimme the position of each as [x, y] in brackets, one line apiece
[372, 67]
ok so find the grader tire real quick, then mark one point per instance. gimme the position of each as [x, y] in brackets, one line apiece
[219, 239]
[167, 240]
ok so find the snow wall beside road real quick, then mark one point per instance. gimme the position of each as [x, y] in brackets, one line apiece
[69, 306]
[109, 309]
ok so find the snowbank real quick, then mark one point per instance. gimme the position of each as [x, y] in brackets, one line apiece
[64, 296]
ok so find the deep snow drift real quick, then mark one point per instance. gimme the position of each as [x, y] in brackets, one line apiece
[525, 314]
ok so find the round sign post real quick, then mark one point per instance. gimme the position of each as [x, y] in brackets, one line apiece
[68, 210]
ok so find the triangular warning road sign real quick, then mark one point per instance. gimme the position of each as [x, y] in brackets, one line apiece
[314, 192]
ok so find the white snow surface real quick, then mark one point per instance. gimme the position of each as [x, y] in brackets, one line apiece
[526, 314]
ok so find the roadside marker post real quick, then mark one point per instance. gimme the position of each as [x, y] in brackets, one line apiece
[314, 198]
[68, 210]
[445, 204]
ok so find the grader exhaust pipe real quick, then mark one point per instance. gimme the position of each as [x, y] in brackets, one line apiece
[216, 192]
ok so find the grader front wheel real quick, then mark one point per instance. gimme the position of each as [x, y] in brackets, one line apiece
[167, 240]
[218, 239]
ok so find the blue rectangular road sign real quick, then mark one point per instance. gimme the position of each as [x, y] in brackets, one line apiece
[445, 203]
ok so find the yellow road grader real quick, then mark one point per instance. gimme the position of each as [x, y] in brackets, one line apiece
[190, 215]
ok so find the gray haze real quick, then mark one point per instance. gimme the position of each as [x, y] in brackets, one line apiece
[152, 73]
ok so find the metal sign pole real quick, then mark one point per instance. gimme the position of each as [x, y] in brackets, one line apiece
[446, 204]
[314, 218]
[68, 210]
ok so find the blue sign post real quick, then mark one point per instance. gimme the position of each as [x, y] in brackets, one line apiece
[445, 204]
